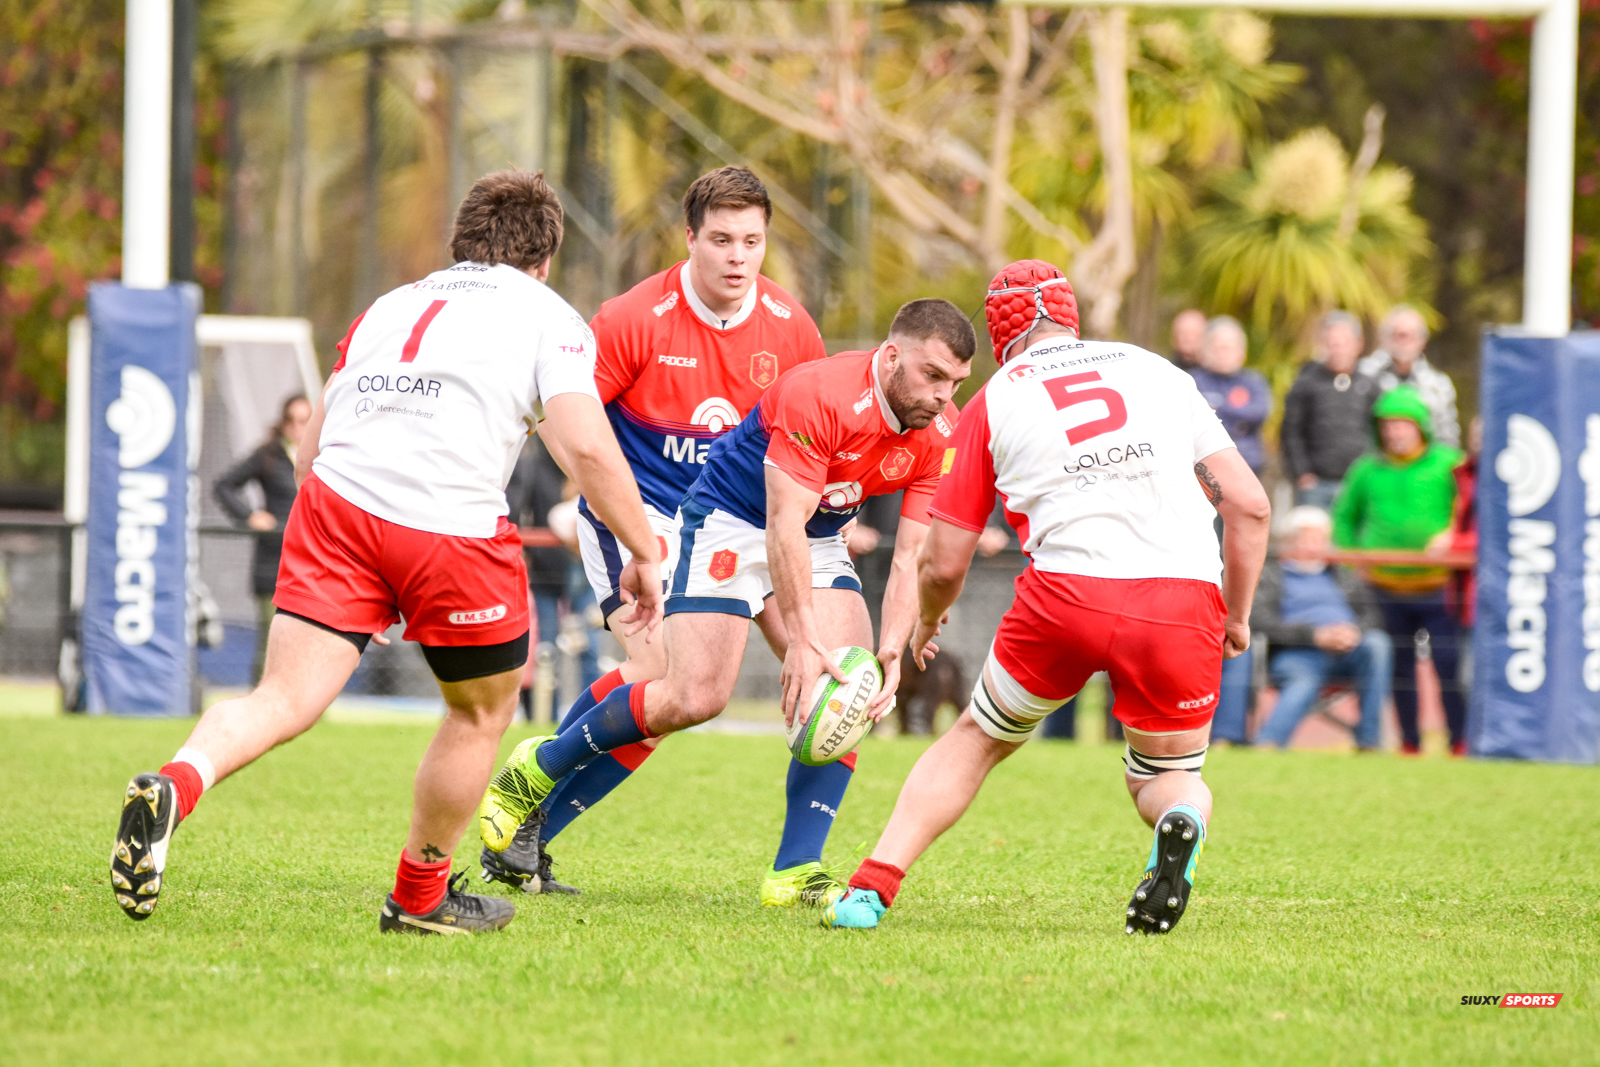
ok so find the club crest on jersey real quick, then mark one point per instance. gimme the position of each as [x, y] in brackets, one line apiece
[763, 369]
[666, 305]
[724, 562]
[803, 441]
[780, 310]
[897, 464]
[1025, 371]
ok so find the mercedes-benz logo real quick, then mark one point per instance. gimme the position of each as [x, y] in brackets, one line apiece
[363, 406]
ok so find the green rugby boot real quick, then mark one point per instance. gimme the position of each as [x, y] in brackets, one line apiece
[515, 791]
[808, 884]
[1163, 892]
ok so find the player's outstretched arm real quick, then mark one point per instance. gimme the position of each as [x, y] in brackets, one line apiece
[941, 572]
[899, 610]
[790, 506]
[1236, 493]
[311, 438]
[576, 429]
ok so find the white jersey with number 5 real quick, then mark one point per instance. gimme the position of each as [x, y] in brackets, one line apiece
[1092, 447]
[436, 387]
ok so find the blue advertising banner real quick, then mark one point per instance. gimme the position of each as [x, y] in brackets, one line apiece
[138, 634]
[1536, 691]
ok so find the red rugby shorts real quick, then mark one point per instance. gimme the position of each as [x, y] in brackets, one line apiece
[1160, 639]
[353, 571]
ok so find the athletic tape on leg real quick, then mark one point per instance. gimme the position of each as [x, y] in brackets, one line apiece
[1003, 709]
[1145, 767]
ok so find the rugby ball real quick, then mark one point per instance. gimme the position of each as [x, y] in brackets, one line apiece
[838, 717]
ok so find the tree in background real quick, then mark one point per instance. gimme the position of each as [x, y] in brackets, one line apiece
[61, 206]
[1303, 231]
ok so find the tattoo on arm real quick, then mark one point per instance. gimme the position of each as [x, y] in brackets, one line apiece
[431, 853]
[1209, 483]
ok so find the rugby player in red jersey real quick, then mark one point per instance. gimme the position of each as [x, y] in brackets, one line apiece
[683, 357]
[764, 519]
[1109, 463]
[401, 512]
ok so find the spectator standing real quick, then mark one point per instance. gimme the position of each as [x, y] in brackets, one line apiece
[1188, 334]
[271, 468]
[1321, 624]
[1401, 498]
[1400, 361]
[1240, 397]
[1327, 416]
[1242, 400]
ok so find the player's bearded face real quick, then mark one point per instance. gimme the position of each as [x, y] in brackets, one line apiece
[922, 382]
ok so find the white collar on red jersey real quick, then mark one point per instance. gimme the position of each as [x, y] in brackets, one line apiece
[883, 399]
[708, 316]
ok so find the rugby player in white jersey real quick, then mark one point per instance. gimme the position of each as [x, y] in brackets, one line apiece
[402, 513]
[1109, 464]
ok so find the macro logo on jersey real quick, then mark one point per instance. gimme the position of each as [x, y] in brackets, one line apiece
[714, 414]
[763, 368]
[897, 464]
[841, 496]
[724, 563]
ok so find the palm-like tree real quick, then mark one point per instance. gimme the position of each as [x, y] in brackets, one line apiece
[1298, 233]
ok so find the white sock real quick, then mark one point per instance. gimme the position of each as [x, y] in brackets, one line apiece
[200, 762]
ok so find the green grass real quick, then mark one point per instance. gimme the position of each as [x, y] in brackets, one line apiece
[1344, 907]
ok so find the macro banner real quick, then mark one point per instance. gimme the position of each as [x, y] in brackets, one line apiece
[1536, 649]
[141, 544]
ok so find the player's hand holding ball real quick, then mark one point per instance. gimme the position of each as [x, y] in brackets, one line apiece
[835, 716]
[805, 663]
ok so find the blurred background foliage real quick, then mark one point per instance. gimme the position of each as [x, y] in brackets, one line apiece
[1257, 183]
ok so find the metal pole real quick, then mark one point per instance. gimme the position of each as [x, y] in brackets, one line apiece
[300, 289]
[1552, 119]
[184, 32]
[147, 144]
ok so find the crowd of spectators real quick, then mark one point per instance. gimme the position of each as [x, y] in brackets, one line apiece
[1370, 448]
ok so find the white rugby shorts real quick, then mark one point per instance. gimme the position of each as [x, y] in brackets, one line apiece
[722, 564]
[604, 556]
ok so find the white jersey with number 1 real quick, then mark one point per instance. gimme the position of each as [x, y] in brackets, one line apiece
[1092, 446]
[438, 383]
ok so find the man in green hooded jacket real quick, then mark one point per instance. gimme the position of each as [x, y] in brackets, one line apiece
[1400, 498]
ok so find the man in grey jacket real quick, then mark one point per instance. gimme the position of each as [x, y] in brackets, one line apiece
[1321, 624]
[1327, 416]
[1401, 361]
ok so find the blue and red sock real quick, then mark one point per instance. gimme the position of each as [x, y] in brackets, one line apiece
[587, 785]
[616, 721]
[814, 795]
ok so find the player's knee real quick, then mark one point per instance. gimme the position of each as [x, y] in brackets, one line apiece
[1141, 768]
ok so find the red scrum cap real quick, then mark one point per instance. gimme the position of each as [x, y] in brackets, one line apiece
[1020, 295]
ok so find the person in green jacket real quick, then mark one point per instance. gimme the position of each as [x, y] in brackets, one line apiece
[1400, 498]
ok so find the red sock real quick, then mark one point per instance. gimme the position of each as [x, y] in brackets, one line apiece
[882, 877]
[188, 784]
[604, 684]
[632, 756]
[418, 886]
[636, 705]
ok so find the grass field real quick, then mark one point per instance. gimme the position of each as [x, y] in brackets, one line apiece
[1343, 908]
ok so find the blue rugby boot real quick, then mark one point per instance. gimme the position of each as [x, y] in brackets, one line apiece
[858, 909]
[1163, 893]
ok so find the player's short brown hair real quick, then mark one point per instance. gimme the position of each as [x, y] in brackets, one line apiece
[510, 216]
[725, 187]
[930, 318]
